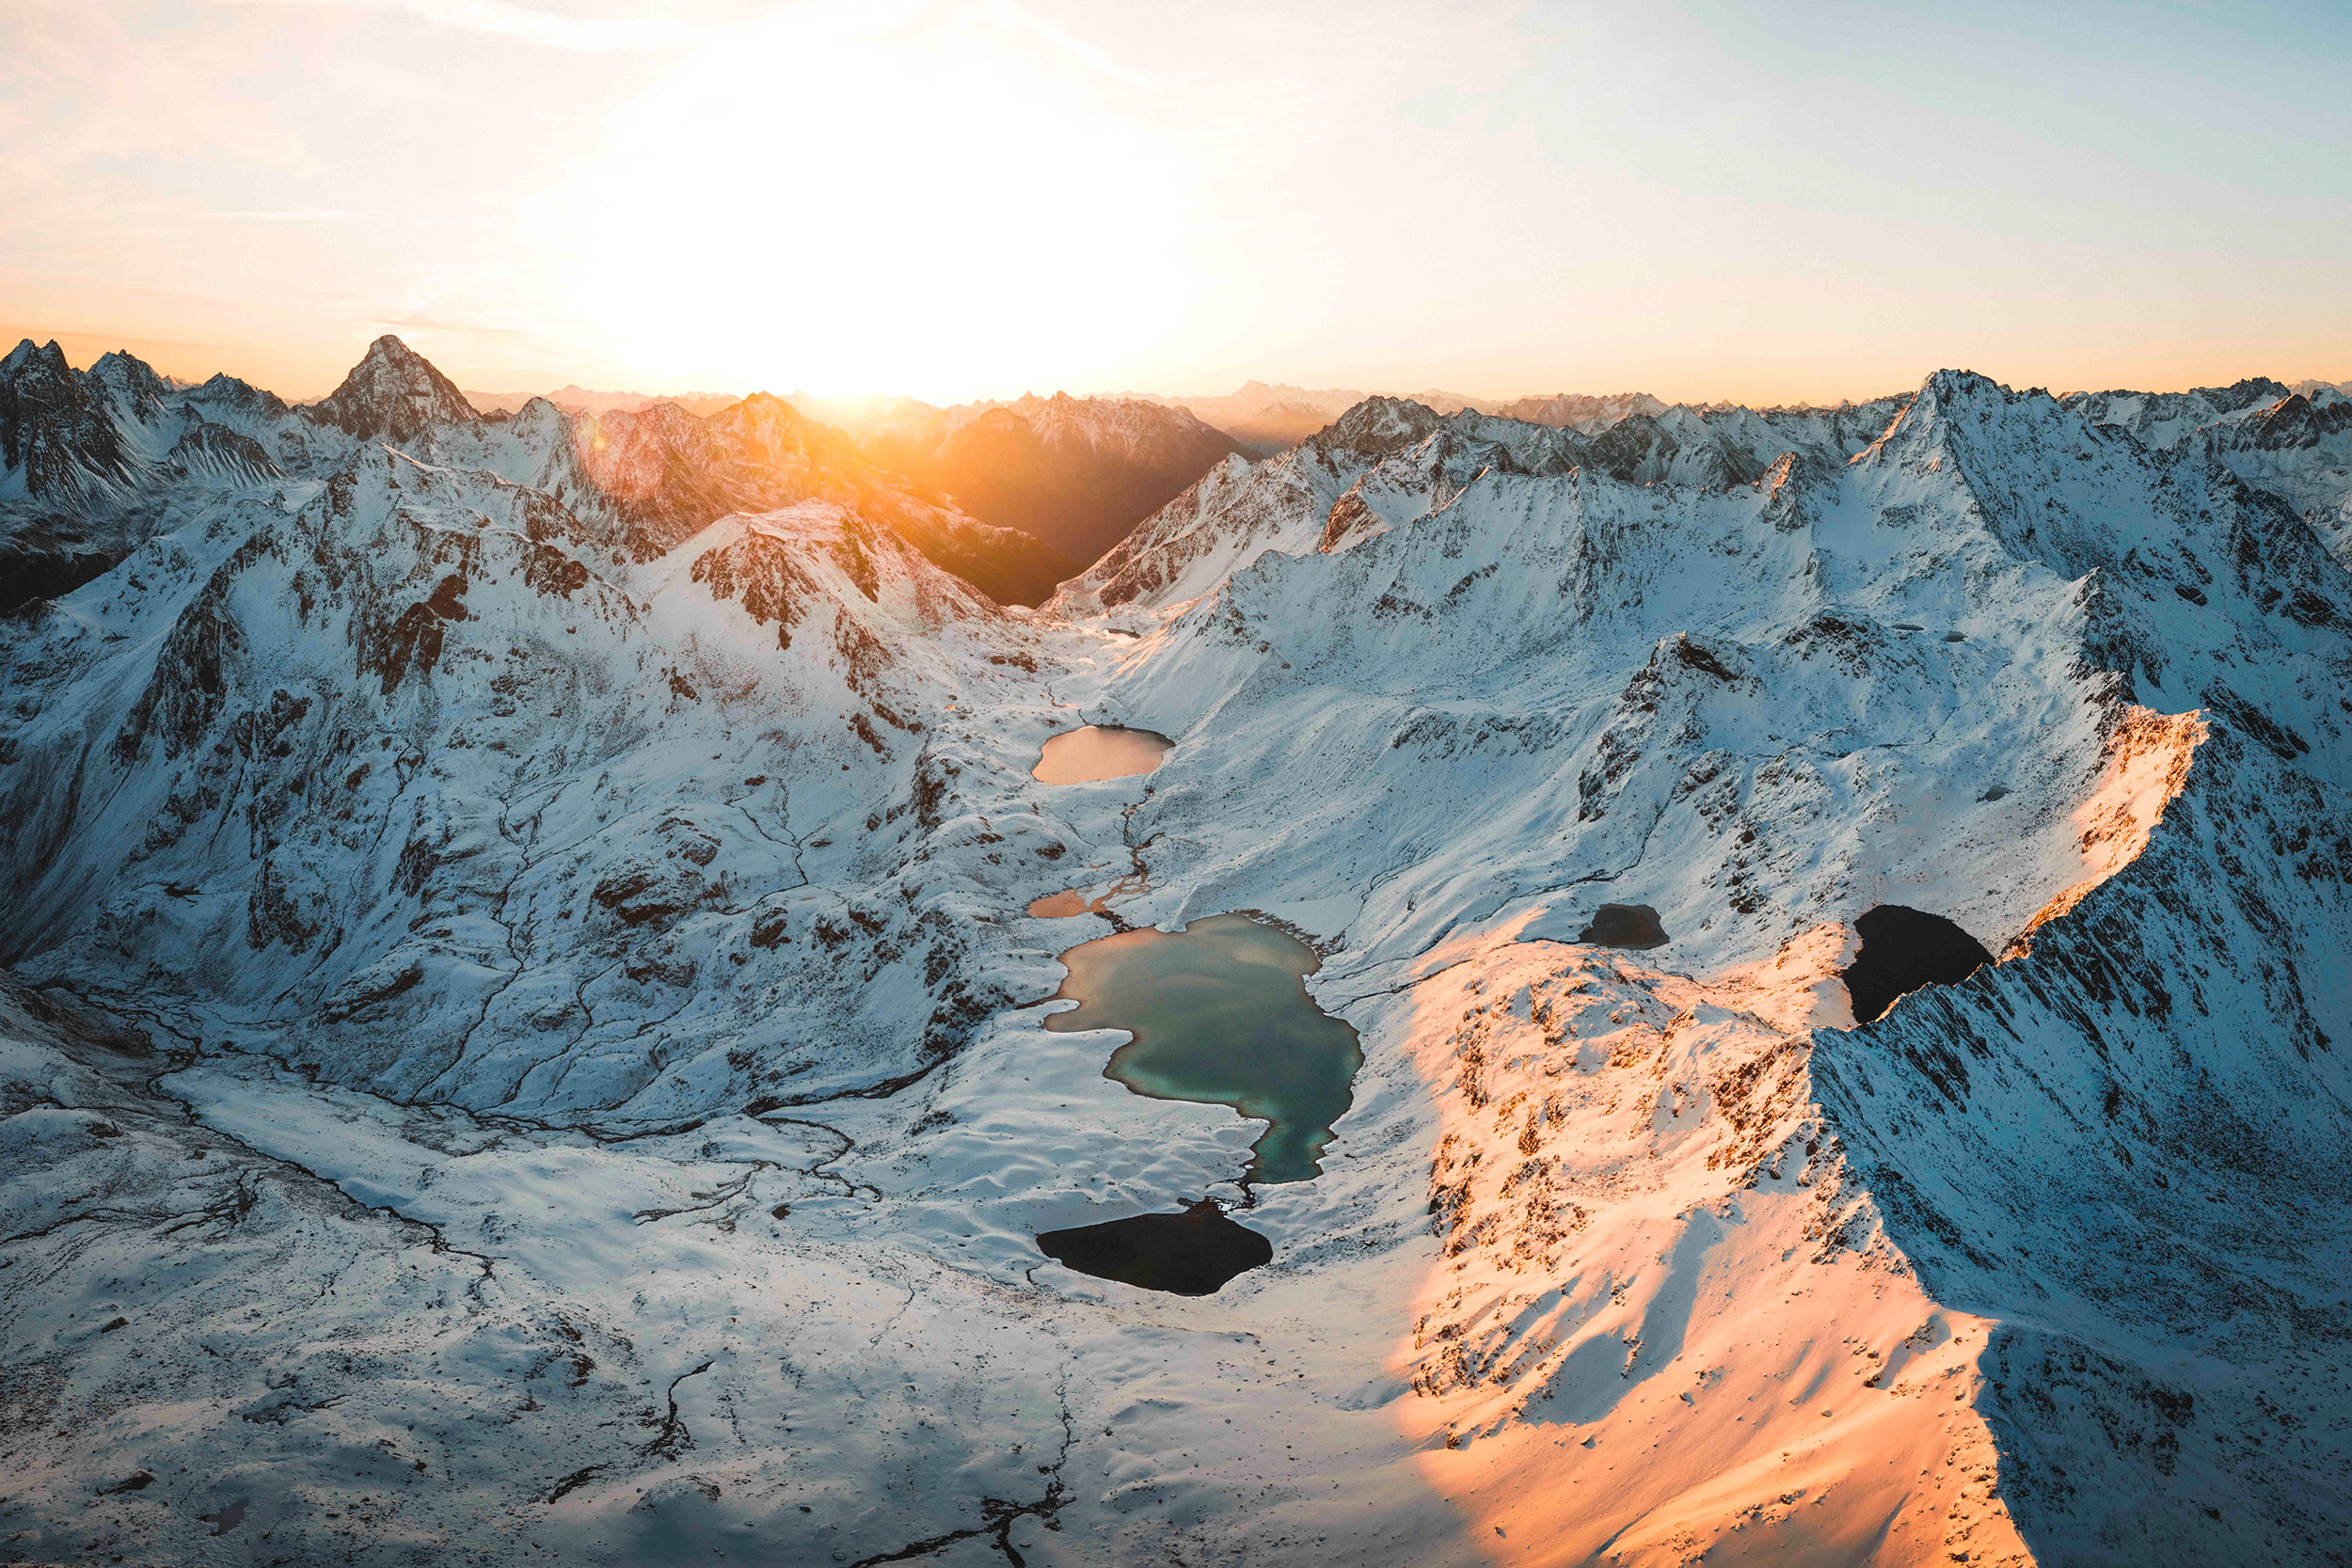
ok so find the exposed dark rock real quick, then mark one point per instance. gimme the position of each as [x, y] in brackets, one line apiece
[26, 576]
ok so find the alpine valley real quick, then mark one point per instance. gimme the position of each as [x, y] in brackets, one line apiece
[522, 1039]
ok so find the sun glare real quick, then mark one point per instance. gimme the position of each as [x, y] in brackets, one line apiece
[851, 213]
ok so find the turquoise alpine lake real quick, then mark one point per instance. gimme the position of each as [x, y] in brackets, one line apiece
[1220, 1015]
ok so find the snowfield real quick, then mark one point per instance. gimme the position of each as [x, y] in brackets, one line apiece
[523, 1042]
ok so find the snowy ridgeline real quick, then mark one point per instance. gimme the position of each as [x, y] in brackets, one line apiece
[524, 1040]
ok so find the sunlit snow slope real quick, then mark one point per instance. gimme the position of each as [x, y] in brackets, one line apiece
[524, 1041]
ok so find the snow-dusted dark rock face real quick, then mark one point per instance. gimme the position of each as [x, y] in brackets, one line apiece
[394, 395]
[524, 1038]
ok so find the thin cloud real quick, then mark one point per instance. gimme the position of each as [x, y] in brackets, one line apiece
[1007, 13]
[313, 215]
[458, 327]
[503, 19]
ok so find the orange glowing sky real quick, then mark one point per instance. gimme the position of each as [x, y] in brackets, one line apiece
[1761, 201]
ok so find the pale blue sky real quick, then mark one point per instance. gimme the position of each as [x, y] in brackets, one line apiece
[1761, 201]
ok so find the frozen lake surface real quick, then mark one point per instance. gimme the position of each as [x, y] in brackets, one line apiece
[1220, 1015]
[1100, 751]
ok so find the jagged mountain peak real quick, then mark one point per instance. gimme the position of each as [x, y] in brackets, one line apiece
[394, 394]
[133, 383]
[29, 358]
[1379, 424]
[1952, 402]
[123, 368]
[227, 389]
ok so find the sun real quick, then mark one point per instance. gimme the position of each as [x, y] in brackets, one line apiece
[939, 214]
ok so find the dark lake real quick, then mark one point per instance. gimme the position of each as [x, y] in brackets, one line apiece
[1220, 1015]
[1903, 950]
[1190, 1254]
[1100, 751]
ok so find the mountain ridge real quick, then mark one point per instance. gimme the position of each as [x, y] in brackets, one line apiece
[101, 457]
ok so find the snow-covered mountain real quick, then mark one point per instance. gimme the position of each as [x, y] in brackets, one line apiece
[525, 1040]
[1266, 419]
[2296, 445]
[1391, 459]
[98, 461]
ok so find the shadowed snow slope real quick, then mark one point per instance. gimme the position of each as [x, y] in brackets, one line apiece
[525, 1041]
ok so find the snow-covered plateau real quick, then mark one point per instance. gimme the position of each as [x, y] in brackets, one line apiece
[522, 1039]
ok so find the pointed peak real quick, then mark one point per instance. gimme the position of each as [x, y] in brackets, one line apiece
[1377, 425]
[1946, 394]
[44, 359]
[1947, 388]
[130, 376]
[394, 394]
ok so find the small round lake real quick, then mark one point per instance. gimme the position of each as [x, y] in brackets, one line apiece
[1220, 1015]
[1194, 1253]
[1100, 751]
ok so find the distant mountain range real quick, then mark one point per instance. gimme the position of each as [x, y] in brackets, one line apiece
[1077, 472]
[1267, 418]
[575, 399]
